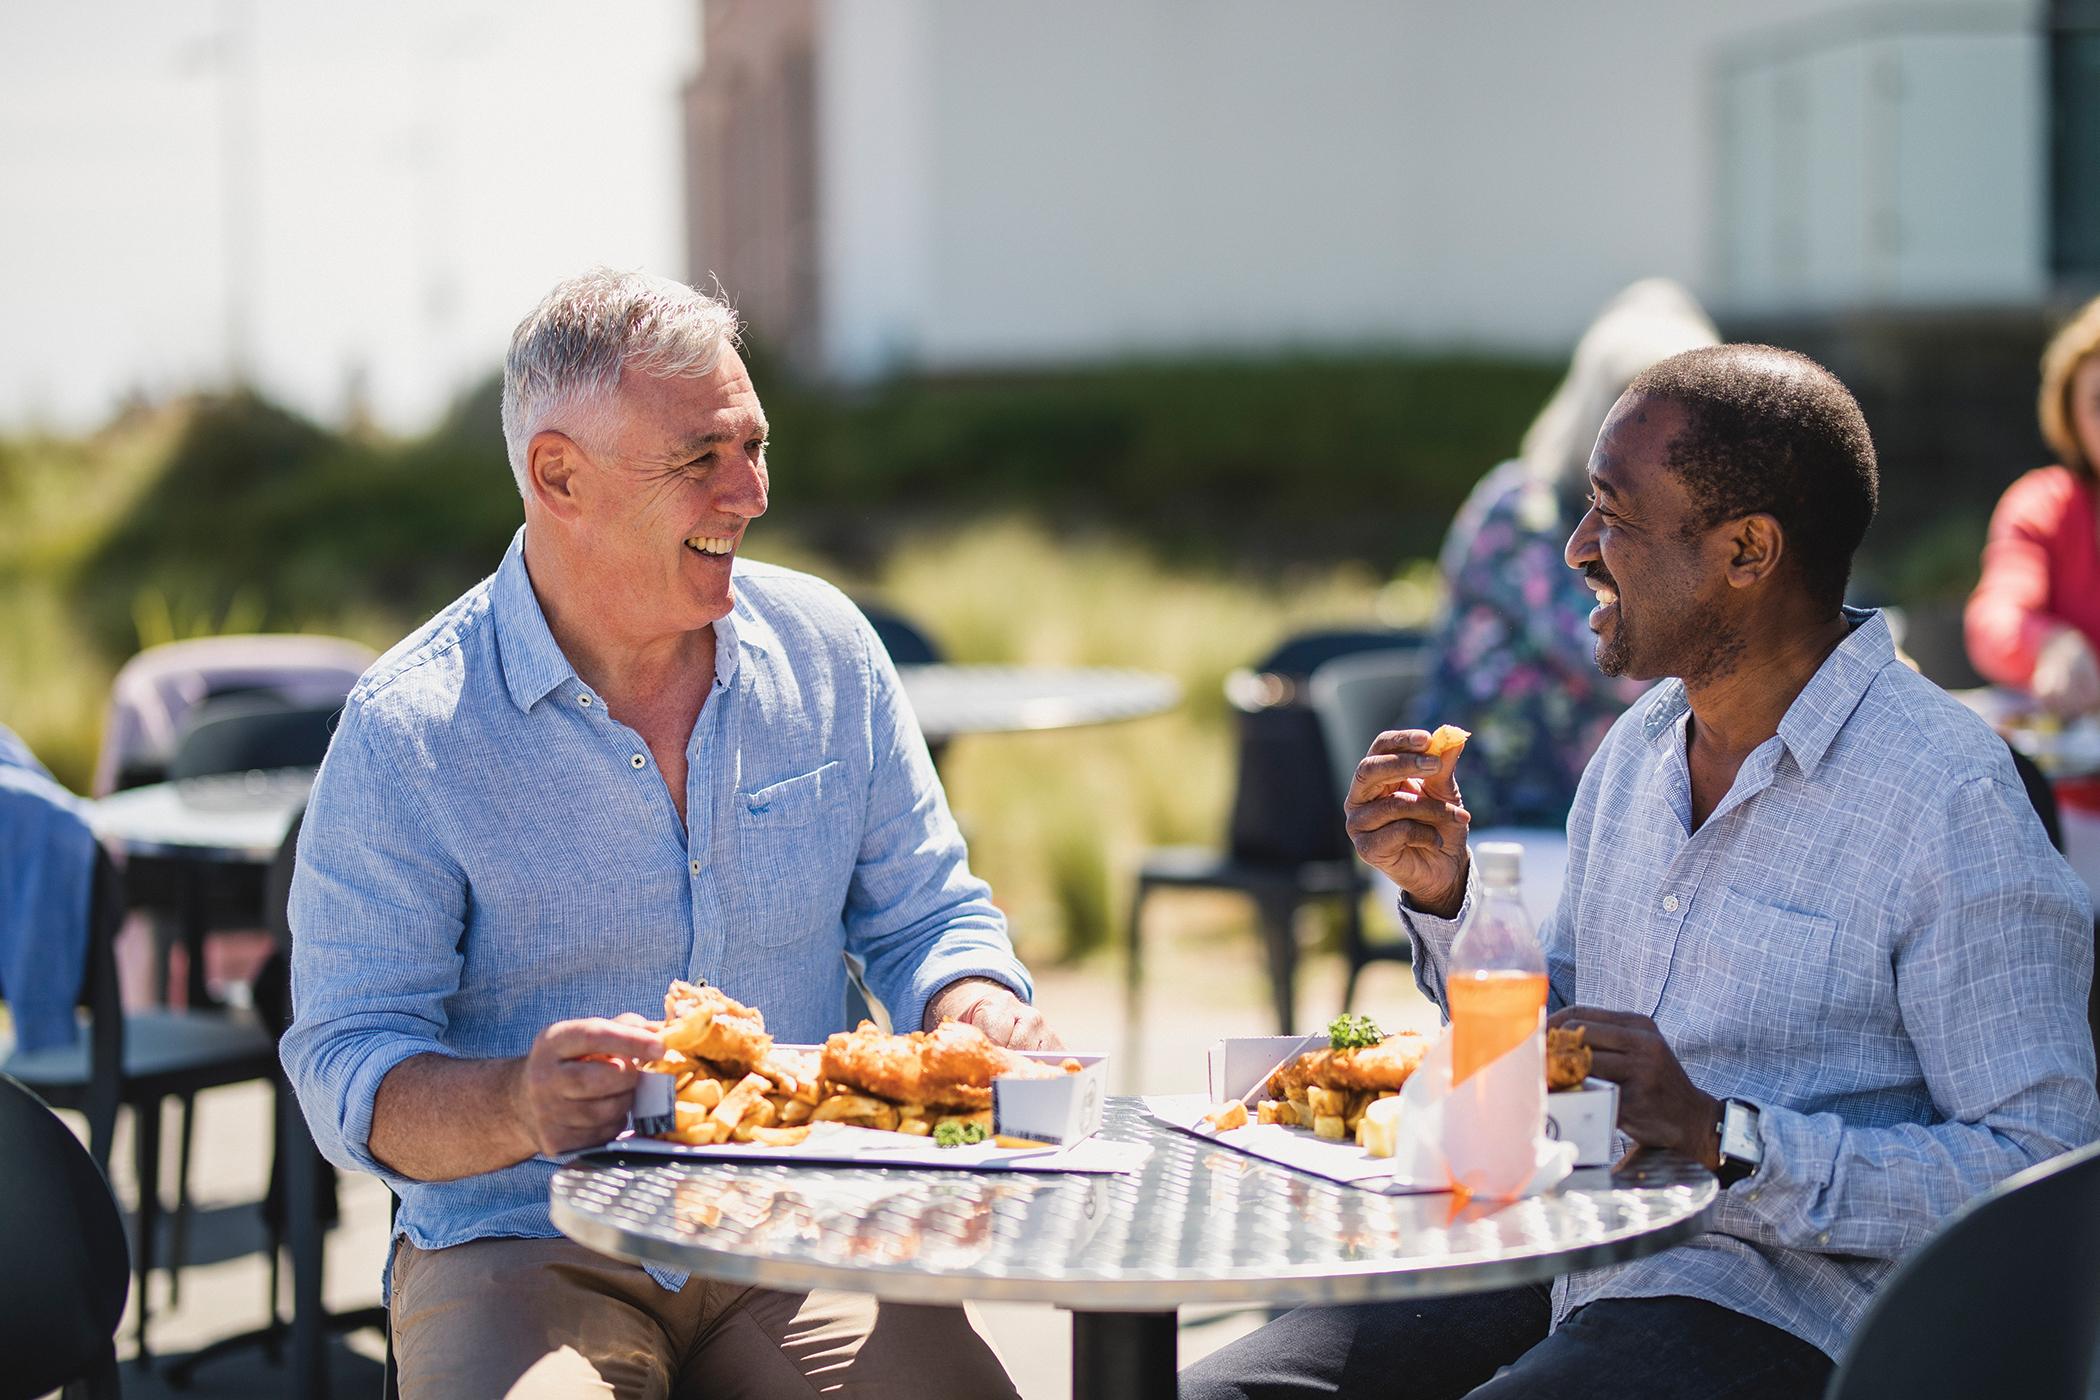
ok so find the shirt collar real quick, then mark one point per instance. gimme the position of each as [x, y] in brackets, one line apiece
[533, 663]
[1824, 704]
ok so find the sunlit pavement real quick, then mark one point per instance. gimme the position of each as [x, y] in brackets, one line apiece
[1203, 981]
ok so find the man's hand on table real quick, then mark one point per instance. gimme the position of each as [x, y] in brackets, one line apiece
[574, 1087]
[1407, 820]
[1659, 1106]
[993, 1008]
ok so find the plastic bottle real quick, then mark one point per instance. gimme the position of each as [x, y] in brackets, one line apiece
[1495, 990]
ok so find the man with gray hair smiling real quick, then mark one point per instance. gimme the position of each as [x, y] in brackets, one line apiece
[629, 756]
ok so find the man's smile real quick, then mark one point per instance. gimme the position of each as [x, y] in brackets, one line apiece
[711, 544]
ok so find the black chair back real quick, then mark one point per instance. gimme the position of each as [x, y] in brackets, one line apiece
[66, 1270]
[902, 639]
[251, 730]
[1285, 810]
[2003, 1300]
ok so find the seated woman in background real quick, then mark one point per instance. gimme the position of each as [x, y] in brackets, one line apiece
[1513, 648]
[2033, 622]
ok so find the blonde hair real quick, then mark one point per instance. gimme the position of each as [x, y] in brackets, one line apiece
[567, 355]
[2071, 347]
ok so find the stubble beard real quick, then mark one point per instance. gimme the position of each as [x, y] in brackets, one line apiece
[1707, 648]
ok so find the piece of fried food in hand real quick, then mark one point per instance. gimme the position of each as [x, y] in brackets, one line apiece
[1567, 1057]
[706, 1024]
[1448, 738]
[1226, 1117]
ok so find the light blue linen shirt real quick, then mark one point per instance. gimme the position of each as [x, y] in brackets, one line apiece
[1870, 939]
[488, 851]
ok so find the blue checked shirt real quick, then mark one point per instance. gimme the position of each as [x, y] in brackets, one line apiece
[1870, 939]
[487, 851]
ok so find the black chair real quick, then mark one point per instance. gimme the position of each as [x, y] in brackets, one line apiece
[1286, 846]
[902, 639]
[138, 1060]
[301, 1203]
[63, 1279]
[2004, 1299]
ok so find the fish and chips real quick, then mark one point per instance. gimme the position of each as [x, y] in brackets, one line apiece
[733, 1084]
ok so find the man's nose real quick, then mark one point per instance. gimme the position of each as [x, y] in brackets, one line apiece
[747, 494]
[1582, 545]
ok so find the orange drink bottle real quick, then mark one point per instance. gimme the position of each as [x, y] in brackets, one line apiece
[1495, 992]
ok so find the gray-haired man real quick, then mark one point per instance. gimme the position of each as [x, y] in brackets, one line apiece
[627, 757]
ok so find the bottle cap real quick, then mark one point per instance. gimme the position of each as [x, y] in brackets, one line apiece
[1501, 862]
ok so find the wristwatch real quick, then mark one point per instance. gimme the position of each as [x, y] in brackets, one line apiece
[1741, 1152]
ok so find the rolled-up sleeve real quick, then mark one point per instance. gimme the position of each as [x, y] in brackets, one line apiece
[1992, 976]
[377, 908]
[915, 914]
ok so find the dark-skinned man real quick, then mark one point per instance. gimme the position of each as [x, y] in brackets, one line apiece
[1810, 924]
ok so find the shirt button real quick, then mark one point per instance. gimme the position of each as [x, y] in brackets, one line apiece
[584, 700]
[638, 761]
[1669, 902]
[696, 867]
[1823, 1238]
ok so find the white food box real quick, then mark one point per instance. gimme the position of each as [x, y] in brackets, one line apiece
[1587, 1117]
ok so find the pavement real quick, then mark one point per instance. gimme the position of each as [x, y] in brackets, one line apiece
[1205, 981]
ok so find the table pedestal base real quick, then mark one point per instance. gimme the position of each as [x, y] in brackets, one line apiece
[1123, 1356]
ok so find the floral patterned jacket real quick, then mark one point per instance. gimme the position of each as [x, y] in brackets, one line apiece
[1514, 656]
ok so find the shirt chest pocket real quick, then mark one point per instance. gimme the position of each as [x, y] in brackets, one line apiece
[796, 840]
[1784, 974]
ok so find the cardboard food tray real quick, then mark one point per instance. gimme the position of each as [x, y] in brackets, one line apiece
[1063, 1112]
[1585, 1116]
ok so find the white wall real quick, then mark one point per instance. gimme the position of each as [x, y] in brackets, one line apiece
[1006, 183]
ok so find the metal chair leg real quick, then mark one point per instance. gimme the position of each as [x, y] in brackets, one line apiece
[1277, 913]
[146, 1160]
[1353, 944]
[179, 1236]
[1134, 974]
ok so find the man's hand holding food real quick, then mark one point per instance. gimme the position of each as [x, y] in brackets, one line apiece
[993, 1008]
[575, 1085]
[1407, 820]
[1659, 1106]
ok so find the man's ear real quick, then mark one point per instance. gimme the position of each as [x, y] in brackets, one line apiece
[1756, 544]
[552, 461]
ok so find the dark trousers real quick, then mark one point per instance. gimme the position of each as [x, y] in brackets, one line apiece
[1493, 1346]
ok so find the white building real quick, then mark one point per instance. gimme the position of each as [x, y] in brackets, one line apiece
[937, 184]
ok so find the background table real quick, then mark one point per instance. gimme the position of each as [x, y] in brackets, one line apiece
[953, 700]
[1199, 1224]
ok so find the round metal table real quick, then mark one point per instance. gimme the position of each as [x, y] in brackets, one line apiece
[1199, 1223]
[953, 700]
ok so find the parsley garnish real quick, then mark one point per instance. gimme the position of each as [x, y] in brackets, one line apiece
[1346, 1032]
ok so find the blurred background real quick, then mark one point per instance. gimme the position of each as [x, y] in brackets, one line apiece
[1221, 307]
[1123, 333]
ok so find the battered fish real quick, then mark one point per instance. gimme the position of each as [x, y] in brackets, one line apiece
[1387, 1065]
[952, 1066]
[1567, 1058]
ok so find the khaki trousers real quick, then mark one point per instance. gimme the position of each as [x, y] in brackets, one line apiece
[547, 1319]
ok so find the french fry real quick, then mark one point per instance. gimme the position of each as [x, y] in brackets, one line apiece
[1329, 1125]
[1291, 1114]
[737, 1102]
[841, 1107]
[915, 1127]
[795, 1110]
[1269, 1111]
[702, 1093]
[779, 1137]
[1327, 1103]
[908, 1111]
[1007, 1140]
[1228, 1116]
[763, 1113]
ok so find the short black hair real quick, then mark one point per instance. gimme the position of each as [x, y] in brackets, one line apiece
[1770, 430]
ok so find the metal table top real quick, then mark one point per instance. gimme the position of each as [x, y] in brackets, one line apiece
[952, 700]
[234, 818]
[1198, 1224]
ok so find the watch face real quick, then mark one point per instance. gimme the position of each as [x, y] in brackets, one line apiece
[1739, 1132]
